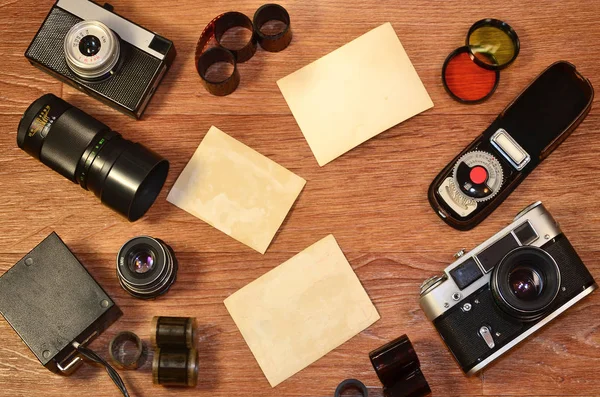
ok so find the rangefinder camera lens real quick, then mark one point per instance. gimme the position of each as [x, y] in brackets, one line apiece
[124, 175]
[526, 282]
[92, 50]
[146, 267]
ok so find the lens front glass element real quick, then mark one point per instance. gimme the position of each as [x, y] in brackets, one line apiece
[526, 283]
[89, 45]
[143, 262]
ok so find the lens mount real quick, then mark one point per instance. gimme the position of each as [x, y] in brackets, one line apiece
[92, 50]
[526, 282]
[145, 280]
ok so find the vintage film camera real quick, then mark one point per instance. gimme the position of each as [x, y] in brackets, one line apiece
[102, 54]
[507, 288]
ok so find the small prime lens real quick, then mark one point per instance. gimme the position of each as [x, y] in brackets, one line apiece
[124, 175]
[92, 50]
[146, 267]
[526, 282]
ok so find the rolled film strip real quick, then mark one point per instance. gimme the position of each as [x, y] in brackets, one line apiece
[273, 42]
[398, 368]
[207, 56]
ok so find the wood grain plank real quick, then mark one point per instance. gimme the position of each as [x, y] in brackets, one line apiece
[381, 186]
[373, 199]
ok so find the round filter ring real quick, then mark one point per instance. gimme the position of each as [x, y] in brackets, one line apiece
[118, 343]
[465, 81]
[493, 44]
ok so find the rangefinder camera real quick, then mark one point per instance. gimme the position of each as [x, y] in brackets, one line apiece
[102, 54]
[504, 290]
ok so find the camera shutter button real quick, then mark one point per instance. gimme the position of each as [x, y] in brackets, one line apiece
[486, 334]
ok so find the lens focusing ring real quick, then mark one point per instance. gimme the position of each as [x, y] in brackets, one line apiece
[105, 59]
[529, 258]
[153, 282]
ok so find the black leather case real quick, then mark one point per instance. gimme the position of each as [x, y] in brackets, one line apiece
[539, 120]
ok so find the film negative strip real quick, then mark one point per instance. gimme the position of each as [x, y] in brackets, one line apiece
[273, 42]
[207, 55]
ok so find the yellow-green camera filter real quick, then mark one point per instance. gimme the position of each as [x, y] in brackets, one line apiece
[493, 44]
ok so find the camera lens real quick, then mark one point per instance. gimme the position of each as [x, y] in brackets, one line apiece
[92, 50]
[89, 45]
[146, 267]
[526, 282]
[126, 176]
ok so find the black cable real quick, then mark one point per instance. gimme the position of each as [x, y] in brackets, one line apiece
[92, 356]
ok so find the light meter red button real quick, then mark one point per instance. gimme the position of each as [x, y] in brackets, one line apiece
[478, 175]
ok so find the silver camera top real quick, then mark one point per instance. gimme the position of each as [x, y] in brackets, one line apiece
[533, 226]
[126, 30]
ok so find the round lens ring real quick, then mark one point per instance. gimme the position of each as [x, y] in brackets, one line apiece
[466, 82]
[92, 50]
[492, 44]
[89, 45]
[526, 283]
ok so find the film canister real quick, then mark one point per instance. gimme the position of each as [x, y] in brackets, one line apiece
[175, 367]
[398, 368]
[173, 332]
[350, 384]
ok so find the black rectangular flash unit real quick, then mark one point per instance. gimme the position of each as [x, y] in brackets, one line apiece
[51, 301]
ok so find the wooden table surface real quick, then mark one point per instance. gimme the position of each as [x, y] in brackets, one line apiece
[372, 199]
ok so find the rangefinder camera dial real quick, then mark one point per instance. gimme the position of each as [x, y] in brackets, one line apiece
[92, 50]
[504, 290]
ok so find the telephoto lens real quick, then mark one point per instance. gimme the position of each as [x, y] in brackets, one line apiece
[124, 175]
[146, 267]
